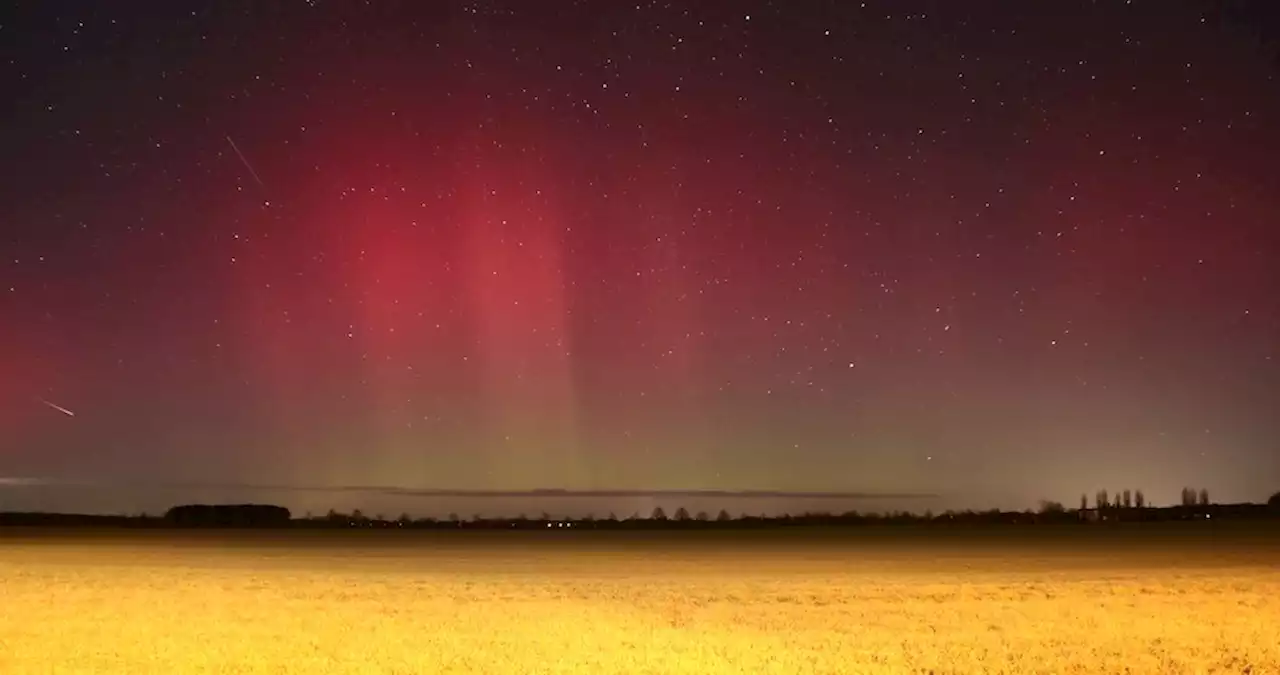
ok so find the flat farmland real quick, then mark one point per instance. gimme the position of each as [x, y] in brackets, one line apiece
[1179, 598]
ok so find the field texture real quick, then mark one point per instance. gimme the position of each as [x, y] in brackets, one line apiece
[1145, 601]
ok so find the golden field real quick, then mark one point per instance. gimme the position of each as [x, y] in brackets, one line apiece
[1168, 600]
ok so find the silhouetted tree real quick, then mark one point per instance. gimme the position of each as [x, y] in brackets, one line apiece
[1084, 502]
[1139, 499]
[1047, 507]
[682, 514]
[702, 517]
[1188, 496]
[453, 517]
[723, 516]
[1203, 497]
[1101, 500]
[1128, 499]
[612, 517]
[658, 514]
[404, 519]
[1274, 502]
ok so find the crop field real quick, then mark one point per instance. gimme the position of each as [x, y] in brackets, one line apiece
[1149, 600]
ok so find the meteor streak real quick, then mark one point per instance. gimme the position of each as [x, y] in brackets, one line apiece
[59, 408]
[247, 165]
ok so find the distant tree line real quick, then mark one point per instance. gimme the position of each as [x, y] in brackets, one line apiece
[1128, 506]
[658, 519]
[228, 515]
[1135, 499]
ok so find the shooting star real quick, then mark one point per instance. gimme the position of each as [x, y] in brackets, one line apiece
[247, 165]
[57, 407]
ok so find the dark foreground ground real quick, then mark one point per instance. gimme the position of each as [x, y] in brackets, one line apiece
[1174, 545]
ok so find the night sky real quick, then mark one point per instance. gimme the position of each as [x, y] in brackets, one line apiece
[996, 251]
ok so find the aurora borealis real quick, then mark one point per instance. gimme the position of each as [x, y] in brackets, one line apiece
[982, 249]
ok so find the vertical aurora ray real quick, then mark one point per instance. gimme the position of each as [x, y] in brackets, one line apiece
[516, 301]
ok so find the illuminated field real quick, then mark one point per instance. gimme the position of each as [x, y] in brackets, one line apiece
[1145, 601]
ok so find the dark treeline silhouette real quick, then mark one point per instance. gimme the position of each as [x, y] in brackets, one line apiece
[1127, 507]
[228, 515]
[190, 515]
